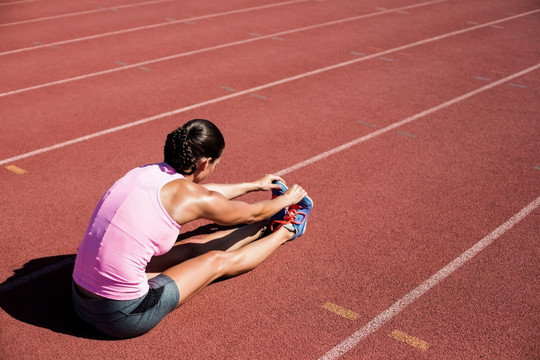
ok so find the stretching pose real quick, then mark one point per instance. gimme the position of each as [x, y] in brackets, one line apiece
[129, 273]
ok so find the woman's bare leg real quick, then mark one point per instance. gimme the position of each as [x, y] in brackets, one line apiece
[194, 274]
[224, 240]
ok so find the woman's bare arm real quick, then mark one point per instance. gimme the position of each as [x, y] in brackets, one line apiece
[186, 201]
[231, 191]
[217, 208]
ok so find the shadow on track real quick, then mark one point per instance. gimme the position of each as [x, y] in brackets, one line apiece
[40, 292]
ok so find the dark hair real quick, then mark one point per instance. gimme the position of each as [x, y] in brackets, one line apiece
[191, 142]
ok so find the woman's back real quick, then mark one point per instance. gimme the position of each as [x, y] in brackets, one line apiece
[128, 227]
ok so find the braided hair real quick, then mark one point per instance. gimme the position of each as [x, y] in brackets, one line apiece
[191, 142]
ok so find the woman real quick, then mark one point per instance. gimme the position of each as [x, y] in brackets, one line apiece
[140, 217]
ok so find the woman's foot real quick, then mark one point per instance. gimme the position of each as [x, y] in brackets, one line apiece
[294, 218]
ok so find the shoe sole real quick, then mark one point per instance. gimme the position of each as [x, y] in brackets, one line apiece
[310, 200]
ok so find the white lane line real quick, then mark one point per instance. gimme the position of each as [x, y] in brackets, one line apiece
[83, 12]
[194, 52]
[257, 88]
[17, 2]
[146, 27]
[404, 121]
[412, 296]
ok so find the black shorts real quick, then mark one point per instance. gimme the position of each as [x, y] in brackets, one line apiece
[128, 318]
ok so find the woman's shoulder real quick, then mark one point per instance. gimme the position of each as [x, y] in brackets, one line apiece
[183, 186]
[181, 190]
[182, 199]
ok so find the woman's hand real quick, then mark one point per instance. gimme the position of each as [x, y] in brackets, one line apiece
[265, 183]
[294, 194]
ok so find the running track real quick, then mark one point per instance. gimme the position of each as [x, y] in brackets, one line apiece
[413, 125]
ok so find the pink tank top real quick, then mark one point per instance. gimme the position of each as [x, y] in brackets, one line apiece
[127, 228]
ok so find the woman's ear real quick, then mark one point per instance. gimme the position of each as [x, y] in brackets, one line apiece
[204, 164]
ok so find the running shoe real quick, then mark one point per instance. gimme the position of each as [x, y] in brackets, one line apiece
[278, 192]
[295, 218]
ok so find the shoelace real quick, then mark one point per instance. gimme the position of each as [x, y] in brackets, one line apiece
[291, 217]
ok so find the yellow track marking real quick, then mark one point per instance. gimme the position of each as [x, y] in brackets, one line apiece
[15, 169]
[411, 340]
[336, 309]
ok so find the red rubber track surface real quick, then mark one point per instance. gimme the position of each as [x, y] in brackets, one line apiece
[413, 125]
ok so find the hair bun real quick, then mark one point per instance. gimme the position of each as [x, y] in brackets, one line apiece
[191, 142]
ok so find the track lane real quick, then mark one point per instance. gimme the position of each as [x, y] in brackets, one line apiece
[72, 60]
[26, 10]
[288, 313]
[382, 205]
[375, 82]
[104, 56]
[485, 309]
[128, 21]
[307, 124]
[478, 167]
[160, 91]
[97, 9]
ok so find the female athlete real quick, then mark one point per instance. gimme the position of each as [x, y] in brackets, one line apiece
[136, 224]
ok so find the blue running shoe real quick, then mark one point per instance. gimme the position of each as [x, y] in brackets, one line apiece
[278, 192]
[295, 218]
